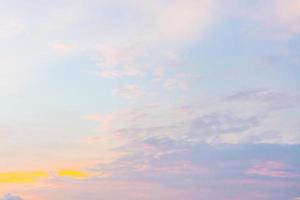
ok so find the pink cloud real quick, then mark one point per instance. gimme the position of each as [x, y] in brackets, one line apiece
[282, 17]
[177, 167]
[118, 62]
[115, 120]
[272, 169]
[158, 72]
[63, 47]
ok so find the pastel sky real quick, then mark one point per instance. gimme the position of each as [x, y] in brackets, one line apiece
[150, 100]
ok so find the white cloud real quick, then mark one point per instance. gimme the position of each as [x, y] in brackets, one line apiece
[10, 28]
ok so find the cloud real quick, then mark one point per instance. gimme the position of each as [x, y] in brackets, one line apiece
[175, 84]
[117, 62]
[10, 27]
[279, 17]
[244, 117]
[178, 21]
[11, 197]
[272, 169]
[116, 120]
[180, 164]
[261, 94]
[62, 47]
[214, 125]
[130, 92]
[213, 143]
[179, 81]
[119, 73]
[119, 46]
[157, 26]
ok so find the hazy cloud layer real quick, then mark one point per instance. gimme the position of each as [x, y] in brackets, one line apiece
[149, 100]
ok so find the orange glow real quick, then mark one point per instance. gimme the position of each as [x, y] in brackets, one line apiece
[22, 177]
[73, 173]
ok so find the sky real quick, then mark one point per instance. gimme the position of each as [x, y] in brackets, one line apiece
[150, 99]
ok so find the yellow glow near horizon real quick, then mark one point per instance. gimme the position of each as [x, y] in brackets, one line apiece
[73, 173]
[23, 177]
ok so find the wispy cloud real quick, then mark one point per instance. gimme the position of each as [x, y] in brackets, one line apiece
[272, 169]
[280, 18]
[62, 47]
[130, 99]
[131, 92]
